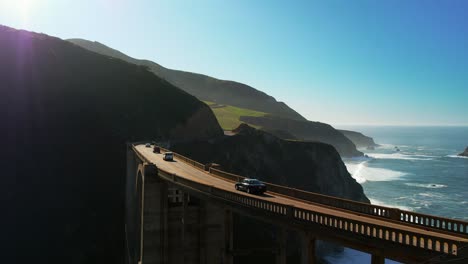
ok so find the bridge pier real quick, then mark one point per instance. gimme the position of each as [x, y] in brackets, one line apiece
[132, 219]
[377, 259]
[228, 237]
[308, 255]
[281, 253]
[184, 222]
[153, 217]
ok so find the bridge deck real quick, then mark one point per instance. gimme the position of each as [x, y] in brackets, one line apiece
[187, 171]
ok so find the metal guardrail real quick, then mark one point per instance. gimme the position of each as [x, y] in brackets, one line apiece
[446, 225]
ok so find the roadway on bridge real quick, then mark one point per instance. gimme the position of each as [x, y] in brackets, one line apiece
[187, 171]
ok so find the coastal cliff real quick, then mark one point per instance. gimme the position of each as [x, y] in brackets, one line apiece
[359, 139]
[67, 114]
[311, 166]
[306, 131]
[464, 153]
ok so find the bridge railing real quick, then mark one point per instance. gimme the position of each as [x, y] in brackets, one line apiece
[440, 223]
[364, 208]
[185, 159]
[299, 215]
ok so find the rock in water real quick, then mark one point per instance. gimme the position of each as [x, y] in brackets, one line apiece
[464, 153]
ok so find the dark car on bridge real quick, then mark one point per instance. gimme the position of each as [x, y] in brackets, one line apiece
[168, 156]
[251, 186]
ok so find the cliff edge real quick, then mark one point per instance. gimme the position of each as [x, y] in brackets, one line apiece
[359, 139]
[306, 131]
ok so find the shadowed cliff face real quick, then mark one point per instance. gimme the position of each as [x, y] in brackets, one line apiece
[66, 114]
[307, 130]
[310, 166]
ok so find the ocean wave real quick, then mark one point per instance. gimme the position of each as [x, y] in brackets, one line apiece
[430, 185]
[400, 156]
[362, 173]
[457, 157]
[431, 195]
[401, 207]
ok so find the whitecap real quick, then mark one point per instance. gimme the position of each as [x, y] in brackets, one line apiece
[362, 173]
[401, 207]
[430, 195]
[399, 156]
[457, 157]
[430, 185]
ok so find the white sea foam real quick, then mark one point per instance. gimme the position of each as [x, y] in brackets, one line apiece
[457, 157]
[362, 173]
[431, 195]
[377, 202]
[400, 156]
[430, 185]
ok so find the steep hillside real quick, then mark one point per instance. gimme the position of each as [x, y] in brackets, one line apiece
[311, 166]
[229, 116]
[66, 115]
[204, 87]
[240, 101]
[306, 130]
[360, 140]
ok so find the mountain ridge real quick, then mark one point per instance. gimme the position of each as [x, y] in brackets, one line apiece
[204, 87]
[236, 94]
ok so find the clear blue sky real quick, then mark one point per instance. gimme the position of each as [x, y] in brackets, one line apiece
[342, 62]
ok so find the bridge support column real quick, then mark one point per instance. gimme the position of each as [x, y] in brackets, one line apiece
[281, 254]
[308, 255]
[153, 217]
[377, 259]
[132, 232]
[228, 237]
[184, 222]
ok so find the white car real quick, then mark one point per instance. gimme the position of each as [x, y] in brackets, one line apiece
[168, 156]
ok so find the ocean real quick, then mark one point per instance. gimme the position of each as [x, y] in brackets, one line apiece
[425, 175]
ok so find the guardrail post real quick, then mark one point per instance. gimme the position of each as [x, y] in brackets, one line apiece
[290, 211]
[395, 214]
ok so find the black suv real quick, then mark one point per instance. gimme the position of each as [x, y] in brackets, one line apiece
[251, 186]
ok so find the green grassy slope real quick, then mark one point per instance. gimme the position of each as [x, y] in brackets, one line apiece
[229, 116]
